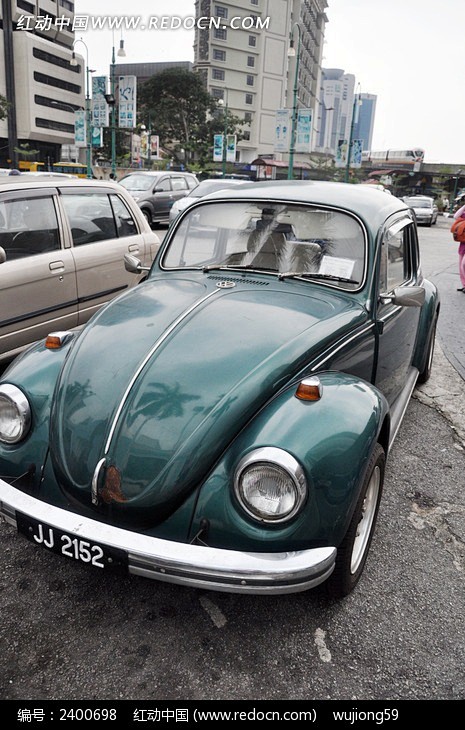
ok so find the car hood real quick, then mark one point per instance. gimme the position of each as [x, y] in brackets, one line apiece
[163, 378]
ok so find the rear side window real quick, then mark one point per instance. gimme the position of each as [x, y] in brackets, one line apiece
[125, 223]
[90, 217]
[28, 226]
[179, 183]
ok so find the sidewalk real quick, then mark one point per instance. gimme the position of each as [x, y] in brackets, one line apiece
[445, 391]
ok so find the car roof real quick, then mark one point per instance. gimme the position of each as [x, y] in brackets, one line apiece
[16, 182]
[157, 173]
[374, 206]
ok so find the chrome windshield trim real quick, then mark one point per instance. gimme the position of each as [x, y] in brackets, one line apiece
[197, 566]
[146, 359]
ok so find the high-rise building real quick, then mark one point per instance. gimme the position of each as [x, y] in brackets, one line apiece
[41, 86]
[337, 108]
[248, 67]
[363, 127]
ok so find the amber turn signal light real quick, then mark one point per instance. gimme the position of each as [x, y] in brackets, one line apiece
[309, 389]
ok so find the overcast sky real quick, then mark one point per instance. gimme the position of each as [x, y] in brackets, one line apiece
[410, 53]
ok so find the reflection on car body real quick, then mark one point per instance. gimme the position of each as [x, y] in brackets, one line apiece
[235, 434]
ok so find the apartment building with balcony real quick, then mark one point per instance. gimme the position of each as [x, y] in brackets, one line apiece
[249, 67]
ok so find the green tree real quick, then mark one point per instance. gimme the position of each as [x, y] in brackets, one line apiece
[4, 104]
[178, 108]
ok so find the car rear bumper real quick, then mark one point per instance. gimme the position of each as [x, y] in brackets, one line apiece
[193, 565]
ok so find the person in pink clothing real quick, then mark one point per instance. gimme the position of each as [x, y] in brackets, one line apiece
[460, 213]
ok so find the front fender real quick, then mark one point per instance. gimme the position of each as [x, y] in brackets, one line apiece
[35, 372]
[332, 439]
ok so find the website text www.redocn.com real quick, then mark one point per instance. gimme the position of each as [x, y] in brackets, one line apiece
[137, 22]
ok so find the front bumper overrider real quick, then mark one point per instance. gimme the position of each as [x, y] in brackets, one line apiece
[186, 564]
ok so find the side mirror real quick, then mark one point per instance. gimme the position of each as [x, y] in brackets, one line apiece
[133, 265]
[405, 296]
[2, 255]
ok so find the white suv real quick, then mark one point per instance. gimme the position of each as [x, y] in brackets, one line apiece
[62, 244]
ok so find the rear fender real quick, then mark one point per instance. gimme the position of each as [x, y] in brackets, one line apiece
[429, 311]
[331, 438]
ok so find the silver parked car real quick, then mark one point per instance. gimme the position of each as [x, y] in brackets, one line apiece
[62, 245]
[156, 191]
[425, 209]
[203, 188]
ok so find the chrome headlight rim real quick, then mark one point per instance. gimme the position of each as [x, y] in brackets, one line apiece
[18, 400]
[280, 459]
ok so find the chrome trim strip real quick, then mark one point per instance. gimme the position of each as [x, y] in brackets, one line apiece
[400, 405]
[192, 565]
[150, 353]
[94, 484]
[343, 344]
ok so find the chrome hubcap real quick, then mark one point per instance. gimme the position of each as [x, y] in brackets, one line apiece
[366, 520]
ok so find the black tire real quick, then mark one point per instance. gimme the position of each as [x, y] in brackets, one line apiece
[353, 550]
[424, 376]
[147, 216]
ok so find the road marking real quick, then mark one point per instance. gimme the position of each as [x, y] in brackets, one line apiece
[323, 651]
[218, 618]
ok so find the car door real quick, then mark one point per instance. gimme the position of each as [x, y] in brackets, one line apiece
[179, 187]
[102, 229]
[397, 325]
[38, 291]
[162, 199]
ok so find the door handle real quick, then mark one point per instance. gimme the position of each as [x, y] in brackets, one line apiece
[134, 247]
[56, 266]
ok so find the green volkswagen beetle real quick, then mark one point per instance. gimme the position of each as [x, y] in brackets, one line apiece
[226, 423]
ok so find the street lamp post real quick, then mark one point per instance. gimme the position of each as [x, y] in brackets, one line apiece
[353, 121]
[74, 62]
[121, 52]
[456, 184]
[291, 53]
[224, 104]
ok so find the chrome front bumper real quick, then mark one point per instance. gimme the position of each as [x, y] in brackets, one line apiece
[193, 565]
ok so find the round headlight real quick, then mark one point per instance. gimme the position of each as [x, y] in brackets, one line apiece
[15, 414]
[270, 485]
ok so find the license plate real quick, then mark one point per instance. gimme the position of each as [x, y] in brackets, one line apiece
[72, 546]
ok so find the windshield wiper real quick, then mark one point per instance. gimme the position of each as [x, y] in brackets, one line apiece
[210, 267]
[331, 277]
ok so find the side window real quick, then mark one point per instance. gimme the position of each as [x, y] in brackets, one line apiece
[179, 183]
[163, 185]
[191, 183]
[125, 223]
[90, 217]
[395, 257]
[28, 226]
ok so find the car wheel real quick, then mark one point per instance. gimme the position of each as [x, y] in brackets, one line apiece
[424, 376]
[147, 216]
[352, 552]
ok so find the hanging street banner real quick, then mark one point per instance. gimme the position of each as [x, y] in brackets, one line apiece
[282, 130]
[80, 137]
[100, 110]
[127, 97]
[231, 148]
[154, 147]
[356, 153]
[341, 153]
[97, 137]
[217, 147]
[303, 130]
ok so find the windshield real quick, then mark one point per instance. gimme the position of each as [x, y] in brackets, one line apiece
[279, 238]
[137, 182]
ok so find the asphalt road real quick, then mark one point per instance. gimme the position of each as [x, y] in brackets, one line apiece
[69, 633]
